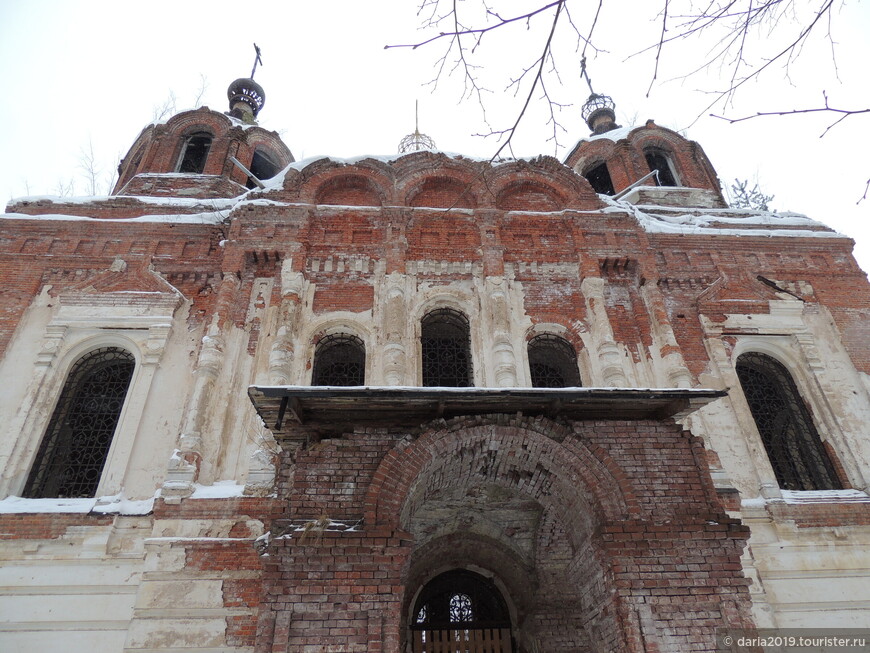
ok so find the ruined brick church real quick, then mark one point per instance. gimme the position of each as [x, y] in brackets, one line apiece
[425, 403]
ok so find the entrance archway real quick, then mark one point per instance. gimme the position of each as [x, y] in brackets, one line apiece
[460, 611]
[521, 507]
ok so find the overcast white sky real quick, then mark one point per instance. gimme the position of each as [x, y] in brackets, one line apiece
[94, 71]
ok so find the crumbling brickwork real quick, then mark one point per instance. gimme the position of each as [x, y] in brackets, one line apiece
[613, 531]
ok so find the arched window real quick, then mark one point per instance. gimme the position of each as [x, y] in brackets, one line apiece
[793, 445]
[74, 450]
[446, 349]
[599, 177]
[463, 608]
[660, 160]
[552, 362]
[263, 166]
[194, 153]
[339, 359]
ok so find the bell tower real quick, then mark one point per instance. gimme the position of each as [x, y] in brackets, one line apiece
[204, 153]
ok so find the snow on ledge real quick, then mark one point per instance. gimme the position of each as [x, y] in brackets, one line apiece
[825, 496]
[704, 222]
[218, 490]
[214, 202]
[208, 218]
[116, 504]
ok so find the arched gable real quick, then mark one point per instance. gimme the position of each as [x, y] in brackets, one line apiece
[365, 183]
[529, 195]
[427, 179]
[443, 192]
[349, 190]
[541, 184]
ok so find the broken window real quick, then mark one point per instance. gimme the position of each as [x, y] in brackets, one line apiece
[553, 362]
[339, 359]
[793, 445]
[194, 153]
[660, 160]
[599, 177]
[446, 349]
[73, 452]
[461, 610]
[263, 166]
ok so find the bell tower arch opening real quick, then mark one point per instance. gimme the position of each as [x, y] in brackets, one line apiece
[194, 153]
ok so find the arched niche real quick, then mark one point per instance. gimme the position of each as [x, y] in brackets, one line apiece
[442, 192]
[530, 195]
[349, 190]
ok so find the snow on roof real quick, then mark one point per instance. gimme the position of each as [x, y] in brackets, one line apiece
[278, 180]
[480, 389]
[665, 220]
[652, 218]
[216, 203]
[614, 134]
[209, 218]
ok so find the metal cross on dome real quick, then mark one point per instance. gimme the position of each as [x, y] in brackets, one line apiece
[257, 60]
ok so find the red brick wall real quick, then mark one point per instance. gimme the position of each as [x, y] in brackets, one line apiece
[666, 557]
[46, 526]
[666, 551]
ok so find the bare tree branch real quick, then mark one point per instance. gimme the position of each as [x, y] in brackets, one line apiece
[89, 168]
[659, 48]
[844, 113]
[200, 93]
[538, 80]
[731, 49]
[455, 58]
[746, 39]
[459, 31]
[65, 189]
[165, 109]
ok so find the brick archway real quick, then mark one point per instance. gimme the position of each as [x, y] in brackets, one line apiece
[532, 455]
[521, 500]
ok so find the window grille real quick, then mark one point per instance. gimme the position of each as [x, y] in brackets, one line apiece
[446, 349]
[73, 452]
[793, 445]
[339, 359]
[553, 362]
[195, 153]
[461, 611]
[659, 160]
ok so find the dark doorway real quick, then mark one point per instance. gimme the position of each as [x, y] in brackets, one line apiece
[461, 611]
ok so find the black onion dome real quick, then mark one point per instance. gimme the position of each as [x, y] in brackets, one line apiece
[248, 91]
[598, 112]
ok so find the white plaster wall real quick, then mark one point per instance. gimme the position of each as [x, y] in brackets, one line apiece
[69, 594]
[50, 338]
[802, 576]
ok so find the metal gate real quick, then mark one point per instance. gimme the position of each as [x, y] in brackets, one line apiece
[471, 640]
